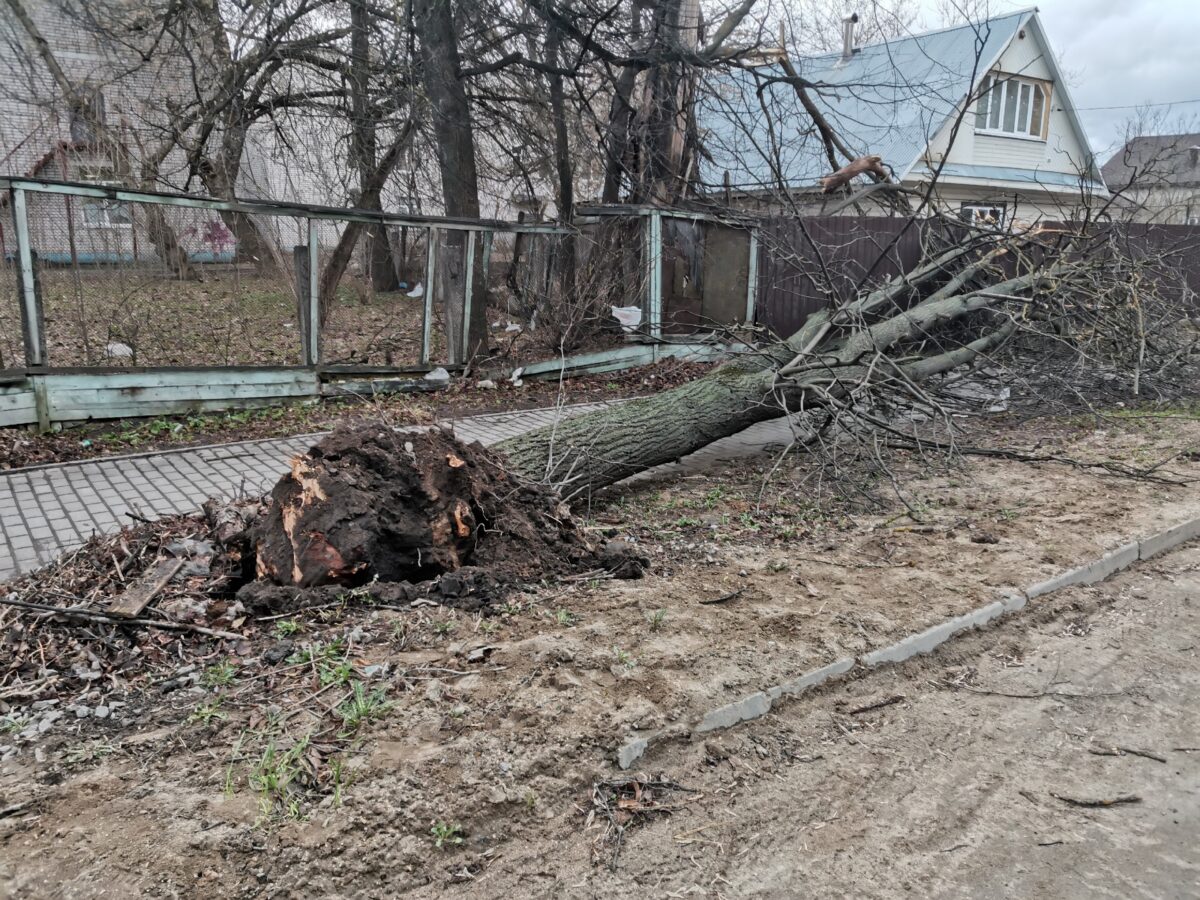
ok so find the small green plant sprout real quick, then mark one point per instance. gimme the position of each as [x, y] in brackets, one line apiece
[489, 626]
[220, 675]
[276, 778]
[362, 707]
[331, 671]
[445, 629]
[564, 617]
[687, 522]
[89, 752]
[531, 800]
[207, 713]
[285, 628]
[714, 497]
[11, 724]
[318, 650]
[446, 835]
[656, 619]
[623, 658]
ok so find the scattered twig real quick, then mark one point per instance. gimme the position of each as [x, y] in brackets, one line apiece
[879, 704]
[1102, 803]
[1121, 751]
[93, 615]
[723, 598]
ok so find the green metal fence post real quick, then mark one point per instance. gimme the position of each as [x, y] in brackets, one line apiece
[32, 321]
[464, 347]
[752, 277]
[654, 311]
[432, 235]
[314, 293]
[300, 269]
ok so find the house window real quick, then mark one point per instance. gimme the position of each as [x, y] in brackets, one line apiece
[984, 215]
[87, 111]
[99, 212]
[1013, 106]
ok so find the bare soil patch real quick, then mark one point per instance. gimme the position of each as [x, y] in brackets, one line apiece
[440, 748]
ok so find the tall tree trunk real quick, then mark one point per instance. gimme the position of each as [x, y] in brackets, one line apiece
[620, 120]
[562, 160]
[455, 136]
[363, 145]
[339, 259]
[253, 243]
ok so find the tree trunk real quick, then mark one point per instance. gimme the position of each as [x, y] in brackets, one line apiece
[379, 267]
[332, 274]
[566, 174]
[454, 132]
[620, 119]
[220, 178]
[820, 364]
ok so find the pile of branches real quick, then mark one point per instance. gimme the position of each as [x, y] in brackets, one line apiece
[1047, 310]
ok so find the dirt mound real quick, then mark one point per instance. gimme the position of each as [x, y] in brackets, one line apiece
[370, 504]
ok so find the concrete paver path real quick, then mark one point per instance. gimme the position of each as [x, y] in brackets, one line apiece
[48, 510]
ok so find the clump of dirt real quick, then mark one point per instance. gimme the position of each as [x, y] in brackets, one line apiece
[368, 504]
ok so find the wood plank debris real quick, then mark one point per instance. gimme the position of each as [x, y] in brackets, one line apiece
[134, 600]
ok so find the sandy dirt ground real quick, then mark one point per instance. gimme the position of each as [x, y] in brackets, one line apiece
[477, 773]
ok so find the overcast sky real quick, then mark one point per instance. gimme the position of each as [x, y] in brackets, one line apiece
[1125, 53]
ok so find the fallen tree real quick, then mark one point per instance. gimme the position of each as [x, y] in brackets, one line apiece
[377, 505]
[836, 358]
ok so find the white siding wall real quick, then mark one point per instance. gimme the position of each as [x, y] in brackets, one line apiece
[1060, 152]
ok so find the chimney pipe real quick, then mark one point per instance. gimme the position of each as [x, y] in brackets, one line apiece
[848, 24]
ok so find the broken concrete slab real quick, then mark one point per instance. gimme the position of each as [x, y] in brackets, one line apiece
[747, 708]
[811, 679]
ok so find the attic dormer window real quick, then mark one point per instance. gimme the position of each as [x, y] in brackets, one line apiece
[1008, 105]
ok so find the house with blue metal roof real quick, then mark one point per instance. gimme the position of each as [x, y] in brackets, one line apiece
[977, 116]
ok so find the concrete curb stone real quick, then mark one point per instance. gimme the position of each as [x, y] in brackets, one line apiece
[1011, 600]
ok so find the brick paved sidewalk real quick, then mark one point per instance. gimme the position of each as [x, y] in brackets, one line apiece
[47, 510]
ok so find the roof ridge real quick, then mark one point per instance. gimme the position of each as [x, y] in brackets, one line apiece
[914, 35]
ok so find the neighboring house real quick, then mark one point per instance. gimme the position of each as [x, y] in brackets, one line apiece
[42, 136]
[1157, 178]
[983, 107]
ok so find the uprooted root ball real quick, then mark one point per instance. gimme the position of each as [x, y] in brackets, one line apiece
[370, 504]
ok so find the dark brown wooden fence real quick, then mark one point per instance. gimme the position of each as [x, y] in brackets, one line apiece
[806, 264]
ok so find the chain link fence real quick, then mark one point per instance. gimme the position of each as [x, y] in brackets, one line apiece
[128, 279]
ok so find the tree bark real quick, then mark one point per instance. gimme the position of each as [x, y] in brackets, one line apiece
[378, 252]
[819, 364]
[455, 136]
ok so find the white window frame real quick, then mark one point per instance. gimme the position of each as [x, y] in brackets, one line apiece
[991, 106]
[105, 207]
[981, 211]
